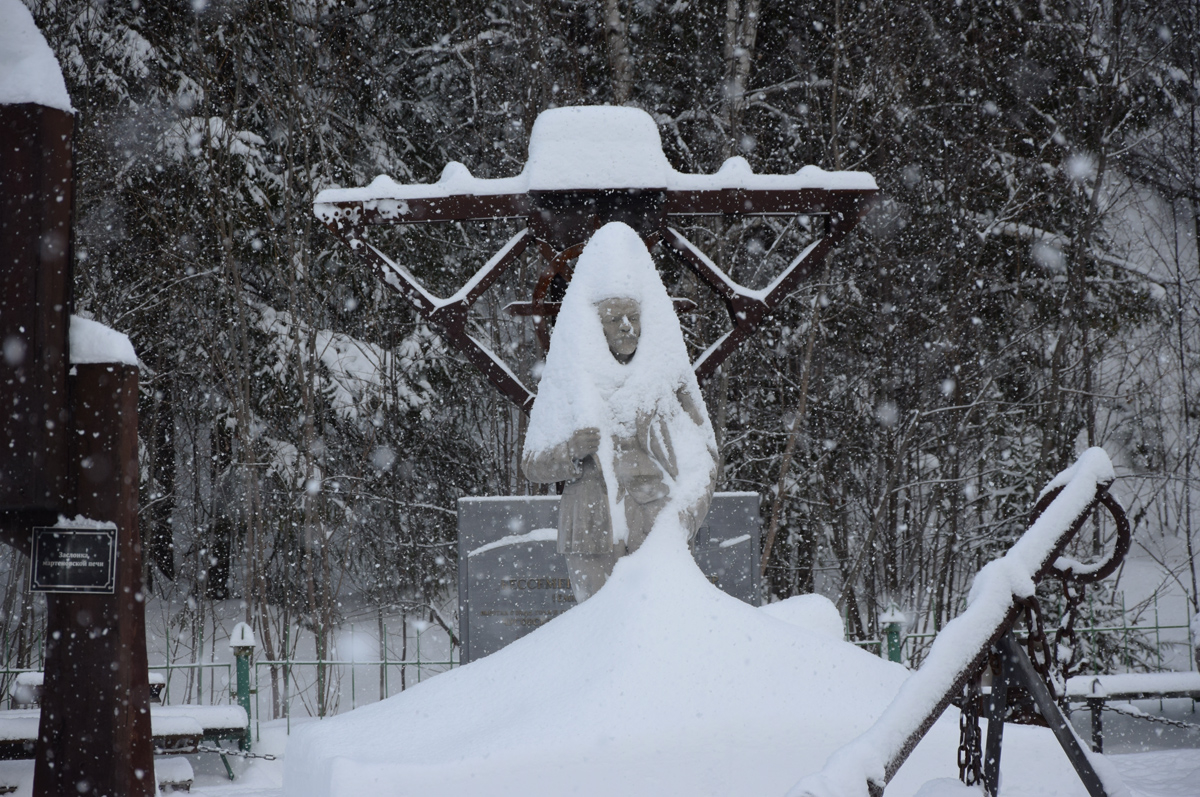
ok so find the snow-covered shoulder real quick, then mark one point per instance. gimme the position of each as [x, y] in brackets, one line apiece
[29, 72]
[92, 342]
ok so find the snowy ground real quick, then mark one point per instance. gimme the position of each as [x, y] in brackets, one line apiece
[687, 692]
[1157, 772]
[661, 684]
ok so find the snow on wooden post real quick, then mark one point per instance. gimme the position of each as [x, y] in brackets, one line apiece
[95, 734]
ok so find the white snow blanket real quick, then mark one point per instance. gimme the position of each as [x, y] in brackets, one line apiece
[660, 684]
[181, 720]
[29, 72]
[1140, 683]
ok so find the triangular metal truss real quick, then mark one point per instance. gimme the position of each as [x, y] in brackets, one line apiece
[561, 222]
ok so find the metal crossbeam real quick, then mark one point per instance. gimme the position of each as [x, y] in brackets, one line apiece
[560, 222]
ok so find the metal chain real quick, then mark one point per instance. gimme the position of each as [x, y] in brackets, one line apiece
[212, 748]
[970, 748]
[1065, 638]
[1035, 642]
[1191, 726]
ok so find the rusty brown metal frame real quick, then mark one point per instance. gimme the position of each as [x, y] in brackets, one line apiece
[560, 222]
[1047, 568]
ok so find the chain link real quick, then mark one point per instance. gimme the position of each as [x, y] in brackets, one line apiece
[970, 748]
[212, 748]
[1068, 651]
[1035, 642]
[1141, 715]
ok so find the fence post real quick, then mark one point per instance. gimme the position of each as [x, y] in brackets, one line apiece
[893, 620]
[243, 644]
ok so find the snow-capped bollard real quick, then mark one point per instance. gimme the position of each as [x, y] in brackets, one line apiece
[893, 621]
[243, 644]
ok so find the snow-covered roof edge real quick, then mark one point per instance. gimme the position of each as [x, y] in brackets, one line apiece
[595, 147]
[736, 173]
[92, 342]
[29, 71]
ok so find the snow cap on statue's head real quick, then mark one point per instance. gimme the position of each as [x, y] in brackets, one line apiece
[583, 384]
[616, 264]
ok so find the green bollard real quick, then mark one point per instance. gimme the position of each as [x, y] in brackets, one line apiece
[893, 620]
[243, 644]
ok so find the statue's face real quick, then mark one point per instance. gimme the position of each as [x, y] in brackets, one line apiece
[622, 322]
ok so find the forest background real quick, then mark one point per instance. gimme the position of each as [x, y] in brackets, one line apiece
[1028, 283]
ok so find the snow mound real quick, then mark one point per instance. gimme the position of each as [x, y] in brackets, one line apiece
[660, 684]
[616, 696]
[597, 147]
[814, 613]
[29, 72]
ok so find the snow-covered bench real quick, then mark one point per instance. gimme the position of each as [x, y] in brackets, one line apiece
[1096, 690]
[176, 730]
[26, 689]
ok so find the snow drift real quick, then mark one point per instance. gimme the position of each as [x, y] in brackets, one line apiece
[659, 685]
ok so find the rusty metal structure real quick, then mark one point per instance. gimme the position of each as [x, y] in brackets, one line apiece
[1012, 676]
[1022, 687]
[559, 222]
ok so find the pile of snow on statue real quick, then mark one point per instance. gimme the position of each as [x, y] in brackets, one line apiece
[583, 385]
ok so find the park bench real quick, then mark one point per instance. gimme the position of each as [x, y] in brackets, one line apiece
[176, 731]
[1097, 690]
[26, 689]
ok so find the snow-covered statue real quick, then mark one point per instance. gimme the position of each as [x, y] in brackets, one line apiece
[619, 415]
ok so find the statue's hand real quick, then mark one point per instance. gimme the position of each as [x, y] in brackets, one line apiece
[584, 442]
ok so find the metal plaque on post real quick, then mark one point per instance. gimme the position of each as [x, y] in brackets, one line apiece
[511, 578]
[74, 559]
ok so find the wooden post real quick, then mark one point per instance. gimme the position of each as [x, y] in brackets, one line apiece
[95, 735]
[35, 298]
